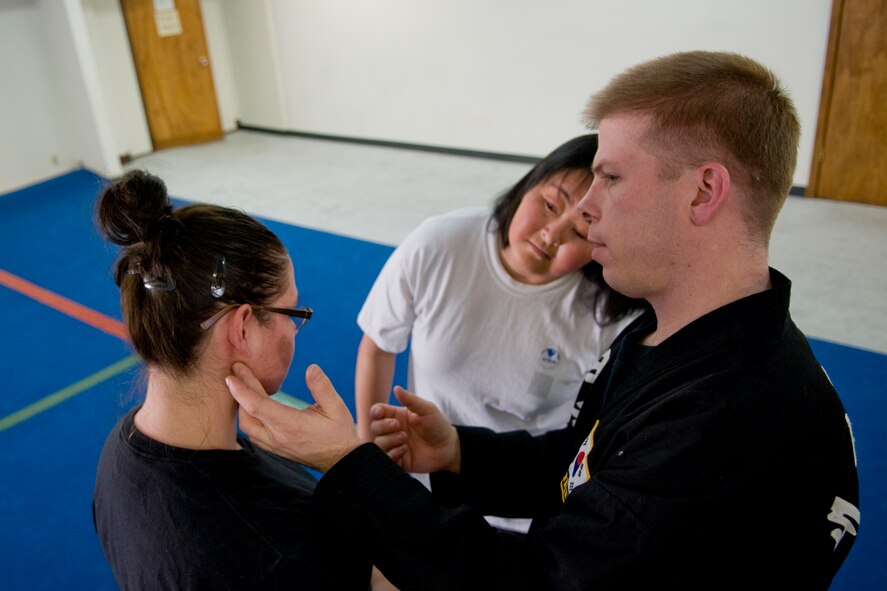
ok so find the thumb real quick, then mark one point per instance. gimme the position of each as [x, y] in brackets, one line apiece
[321, 387]
[415, 403]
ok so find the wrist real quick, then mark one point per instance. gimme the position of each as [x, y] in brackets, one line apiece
[455, 463]
[339, 453]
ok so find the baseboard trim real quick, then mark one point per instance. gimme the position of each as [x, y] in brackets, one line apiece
[798, 191]
[397, 145]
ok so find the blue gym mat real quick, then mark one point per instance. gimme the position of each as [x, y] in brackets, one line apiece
[86, 379]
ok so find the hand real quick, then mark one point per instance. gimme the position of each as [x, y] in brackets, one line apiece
[318, 436]
[416, 435]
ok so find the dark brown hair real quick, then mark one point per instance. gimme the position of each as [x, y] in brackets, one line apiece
[575, 154]
[713, 106]
[165, 268]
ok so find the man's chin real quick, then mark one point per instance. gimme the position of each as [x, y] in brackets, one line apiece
[598, 253]
[615, 282]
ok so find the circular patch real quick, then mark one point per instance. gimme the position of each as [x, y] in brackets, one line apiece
[549, 358]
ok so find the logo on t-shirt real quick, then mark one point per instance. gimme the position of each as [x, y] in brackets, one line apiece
[549, 358]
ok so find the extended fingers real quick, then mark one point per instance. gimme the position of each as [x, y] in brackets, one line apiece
[259, 416]
[384, 426]
[380, 410]
[394, 445]
[389, 440]
[385, 429]
[245, 388]
[253, 427]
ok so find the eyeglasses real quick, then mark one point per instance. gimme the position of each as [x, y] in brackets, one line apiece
[299, 314]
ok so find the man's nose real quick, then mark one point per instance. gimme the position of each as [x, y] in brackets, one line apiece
[587, 205]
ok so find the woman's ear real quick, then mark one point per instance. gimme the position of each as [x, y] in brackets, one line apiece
[239, 330]
[712, 191]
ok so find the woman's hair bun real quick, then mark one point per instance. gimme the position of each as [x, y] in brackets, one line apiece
[130, 208]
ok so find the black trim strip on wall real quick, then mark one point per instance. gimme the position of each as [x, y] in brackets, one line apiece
[397, 145]
[797, 191]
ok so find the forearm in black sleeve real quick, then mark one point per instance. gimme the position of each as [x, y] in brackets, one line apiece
[509, 474]
[415, 542]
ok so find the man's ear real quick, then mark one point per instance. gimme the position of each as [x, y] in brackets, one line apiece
[239, 330]
[712, 191]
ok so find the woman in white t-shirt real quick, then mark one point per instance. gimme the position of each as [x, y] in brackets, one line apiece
[504, 311]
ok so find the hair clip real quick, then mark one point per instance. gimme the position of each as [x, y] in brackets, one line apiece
[159, 283]
[135, 267]
[220, 275]
[155, 283]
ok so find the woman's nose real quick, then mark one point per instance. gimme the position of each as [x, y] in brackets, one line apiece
[552, 233]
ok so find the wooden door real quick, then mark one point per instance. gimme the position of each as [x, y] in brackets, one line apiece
[172, 63]
[850, 150]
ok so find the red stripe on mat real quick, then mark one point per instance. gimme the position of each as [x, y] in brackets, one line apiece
[64, 305]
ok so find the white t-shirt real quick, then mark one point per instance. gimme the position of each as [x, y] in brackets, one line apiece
[486, 349]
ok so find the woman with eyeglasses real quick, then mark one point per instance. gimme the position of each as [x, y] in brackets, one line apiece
[181, 501]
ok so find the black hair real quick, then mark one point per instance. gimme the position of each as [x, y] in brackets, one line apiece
[165, 268]
[575, 154]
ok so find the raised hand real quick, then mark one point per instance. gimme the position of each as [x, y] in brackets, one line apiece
[416, 435]
[318, 436]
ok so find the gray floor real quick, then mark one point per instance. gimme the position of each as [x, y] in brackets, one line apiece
[835, 252]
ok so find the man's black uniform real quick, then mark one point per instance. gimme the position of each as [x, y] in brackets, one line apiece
[721, 458]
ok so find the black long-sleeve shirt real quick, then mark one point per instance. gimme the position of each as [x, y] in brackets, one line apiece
[172, 518]
[721, 458]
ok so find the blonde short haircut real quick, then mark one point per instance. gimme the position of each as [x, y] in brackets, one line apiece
[713, 106]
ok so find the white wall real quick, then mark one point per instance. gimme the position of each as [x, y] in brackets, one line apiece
[118, 82]
[513, 75]
[50, 112]
[219, 50]
[507, 76]
[33, 143]
[80, 101]
[253, 60]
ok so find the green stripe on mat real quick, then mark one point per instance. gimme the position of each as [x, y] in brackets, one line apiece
[88, 382]
[290, 400]
[66, 393]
